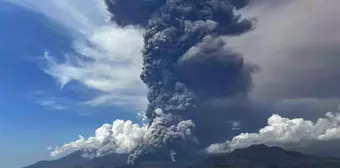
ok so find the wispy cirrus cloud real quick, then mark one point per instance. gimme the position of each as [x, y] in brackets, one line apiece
[51, 104]
[108, 62]
[106, 59]
[74, 15]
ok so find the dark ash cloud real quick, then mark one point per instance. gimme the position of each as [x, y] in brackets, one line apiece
[212, 70]
[132, 12]
[188, 68]
[296, 45]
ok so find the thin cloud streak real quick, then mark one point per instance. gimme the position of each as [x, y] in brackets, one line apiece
[51, 104]
[106, 58]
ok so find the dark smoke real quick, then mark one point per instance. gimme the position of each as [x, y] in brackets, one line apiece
[211, 70]
[189, 70]
[135, 12]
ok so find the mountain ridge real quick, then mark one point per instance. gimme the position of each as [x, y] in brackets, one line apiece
[75, 160]
[262, 156]
[255, 156]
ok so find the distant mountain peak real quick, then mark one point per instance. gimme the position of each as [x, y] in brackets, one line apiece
[262, 156]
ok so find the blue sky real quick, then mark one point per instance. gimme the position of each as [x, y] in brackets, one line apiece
[35, 111]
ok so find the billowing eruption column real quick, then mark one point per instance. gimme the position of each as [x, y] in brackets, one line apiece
[188, 70]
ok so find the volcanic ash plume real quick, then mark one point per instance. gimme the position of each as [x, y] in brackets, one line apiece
[186, 65]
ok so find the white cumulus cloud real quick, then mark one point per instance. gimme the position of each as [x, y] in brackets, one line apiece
[124, 137]
[282, 131]
[120, 137]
